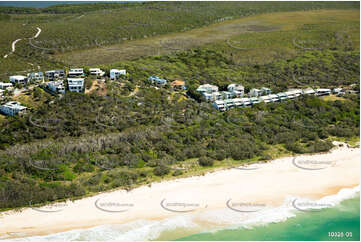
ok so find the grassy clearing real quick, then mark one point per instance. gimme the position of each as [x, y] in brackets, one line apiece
[262, 38]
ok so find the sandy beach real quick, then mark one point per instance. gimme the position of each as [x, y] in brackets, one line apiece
[239, 190]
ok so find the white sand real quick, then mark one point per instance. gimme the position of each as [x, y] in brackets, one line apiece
[270, 184]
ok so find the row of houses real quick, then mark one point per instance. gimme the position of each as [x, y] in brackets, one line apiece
[53, 75]
[212, 93]
[74, 85]
[223, 105]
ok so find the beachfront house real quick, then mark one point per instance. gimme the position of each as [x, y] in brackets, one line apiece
[207, 88]
[115, 73]
[57, 86]
[18, 79]
[308, 91]
[219, 105]
[265, 91]
[246, 102]
[266, 99]
[36, 77]
[96, 72]
[12, 108]
[227, 95]
[5, 85]
[274, 98]
[157, 80]
[76, 72]
[178, 85]
[254, 92]
[255, 100]
[323, 92]
[76, 84]
[54, 74]
[282, 96]
[236, 89]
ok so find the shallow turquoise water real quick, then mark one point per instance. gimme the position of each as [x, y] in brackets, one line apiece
[306, 226]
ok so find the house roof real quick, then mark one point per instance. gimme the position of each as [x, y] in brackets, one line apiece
[177, 83]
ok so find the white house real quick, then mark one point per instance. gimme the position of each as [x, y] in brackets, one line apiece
[274, 97]
[76, 72]
[76, 84]
[323, 92]
[18, 79]
[96, 72]
[57, 86]
[246, 102]
[5, 85]
[207, 88]
[12, 108]
[54, 74]
[36, 76]
[254, 92]
[266, 99]
[265, 91]
[115, 73]
[219, 105]
[237, 89]
[308, 91]
[282, 96]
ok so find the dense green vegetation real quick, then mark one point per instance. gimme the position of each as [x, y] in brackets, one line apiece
[133, 134]
[87, 143]
[66, 29]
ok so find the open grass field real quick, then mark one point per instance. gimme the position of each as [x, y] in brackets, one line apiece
[261, 38]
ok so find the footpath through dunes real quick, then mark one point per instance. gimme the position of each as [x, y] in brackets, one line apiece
[216, 33]
[310, 177]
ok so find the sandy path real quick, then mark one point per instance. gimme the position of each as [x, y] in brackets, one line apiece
[270, 184]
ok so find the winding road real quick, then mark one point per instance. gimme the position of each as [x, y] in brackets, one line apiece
[15, 41]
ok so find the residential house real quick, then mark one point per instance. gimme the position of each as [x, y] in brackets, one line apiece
[57, 86]
[237, 89]
[178, 85]
[157, 80]
[227, 95]
[237, 102]
[36, 77]
[96, 72]
[274, 98]
[207, 88]
[5, 85]
[255, 100]
[115, 73]
[337, 91]
[76, 84]
[246, 102]
[323, 92]
[54, 74]
[254, 92]
[12, 108]
[219, 105]
[265, 91]
[266, 99]
[76, 72]
[229, 103]
[308, 91]
[282, 96]
[18, 79]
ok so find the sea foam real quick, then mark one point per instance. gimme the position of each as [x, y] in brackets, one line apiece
[208, 221]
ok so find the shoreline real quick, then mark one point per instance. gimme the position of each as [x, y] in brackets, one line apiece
[270, 184]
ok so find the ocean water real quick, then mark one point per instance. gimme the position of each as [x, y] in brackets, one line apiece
[305, 226]
[278, 223]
